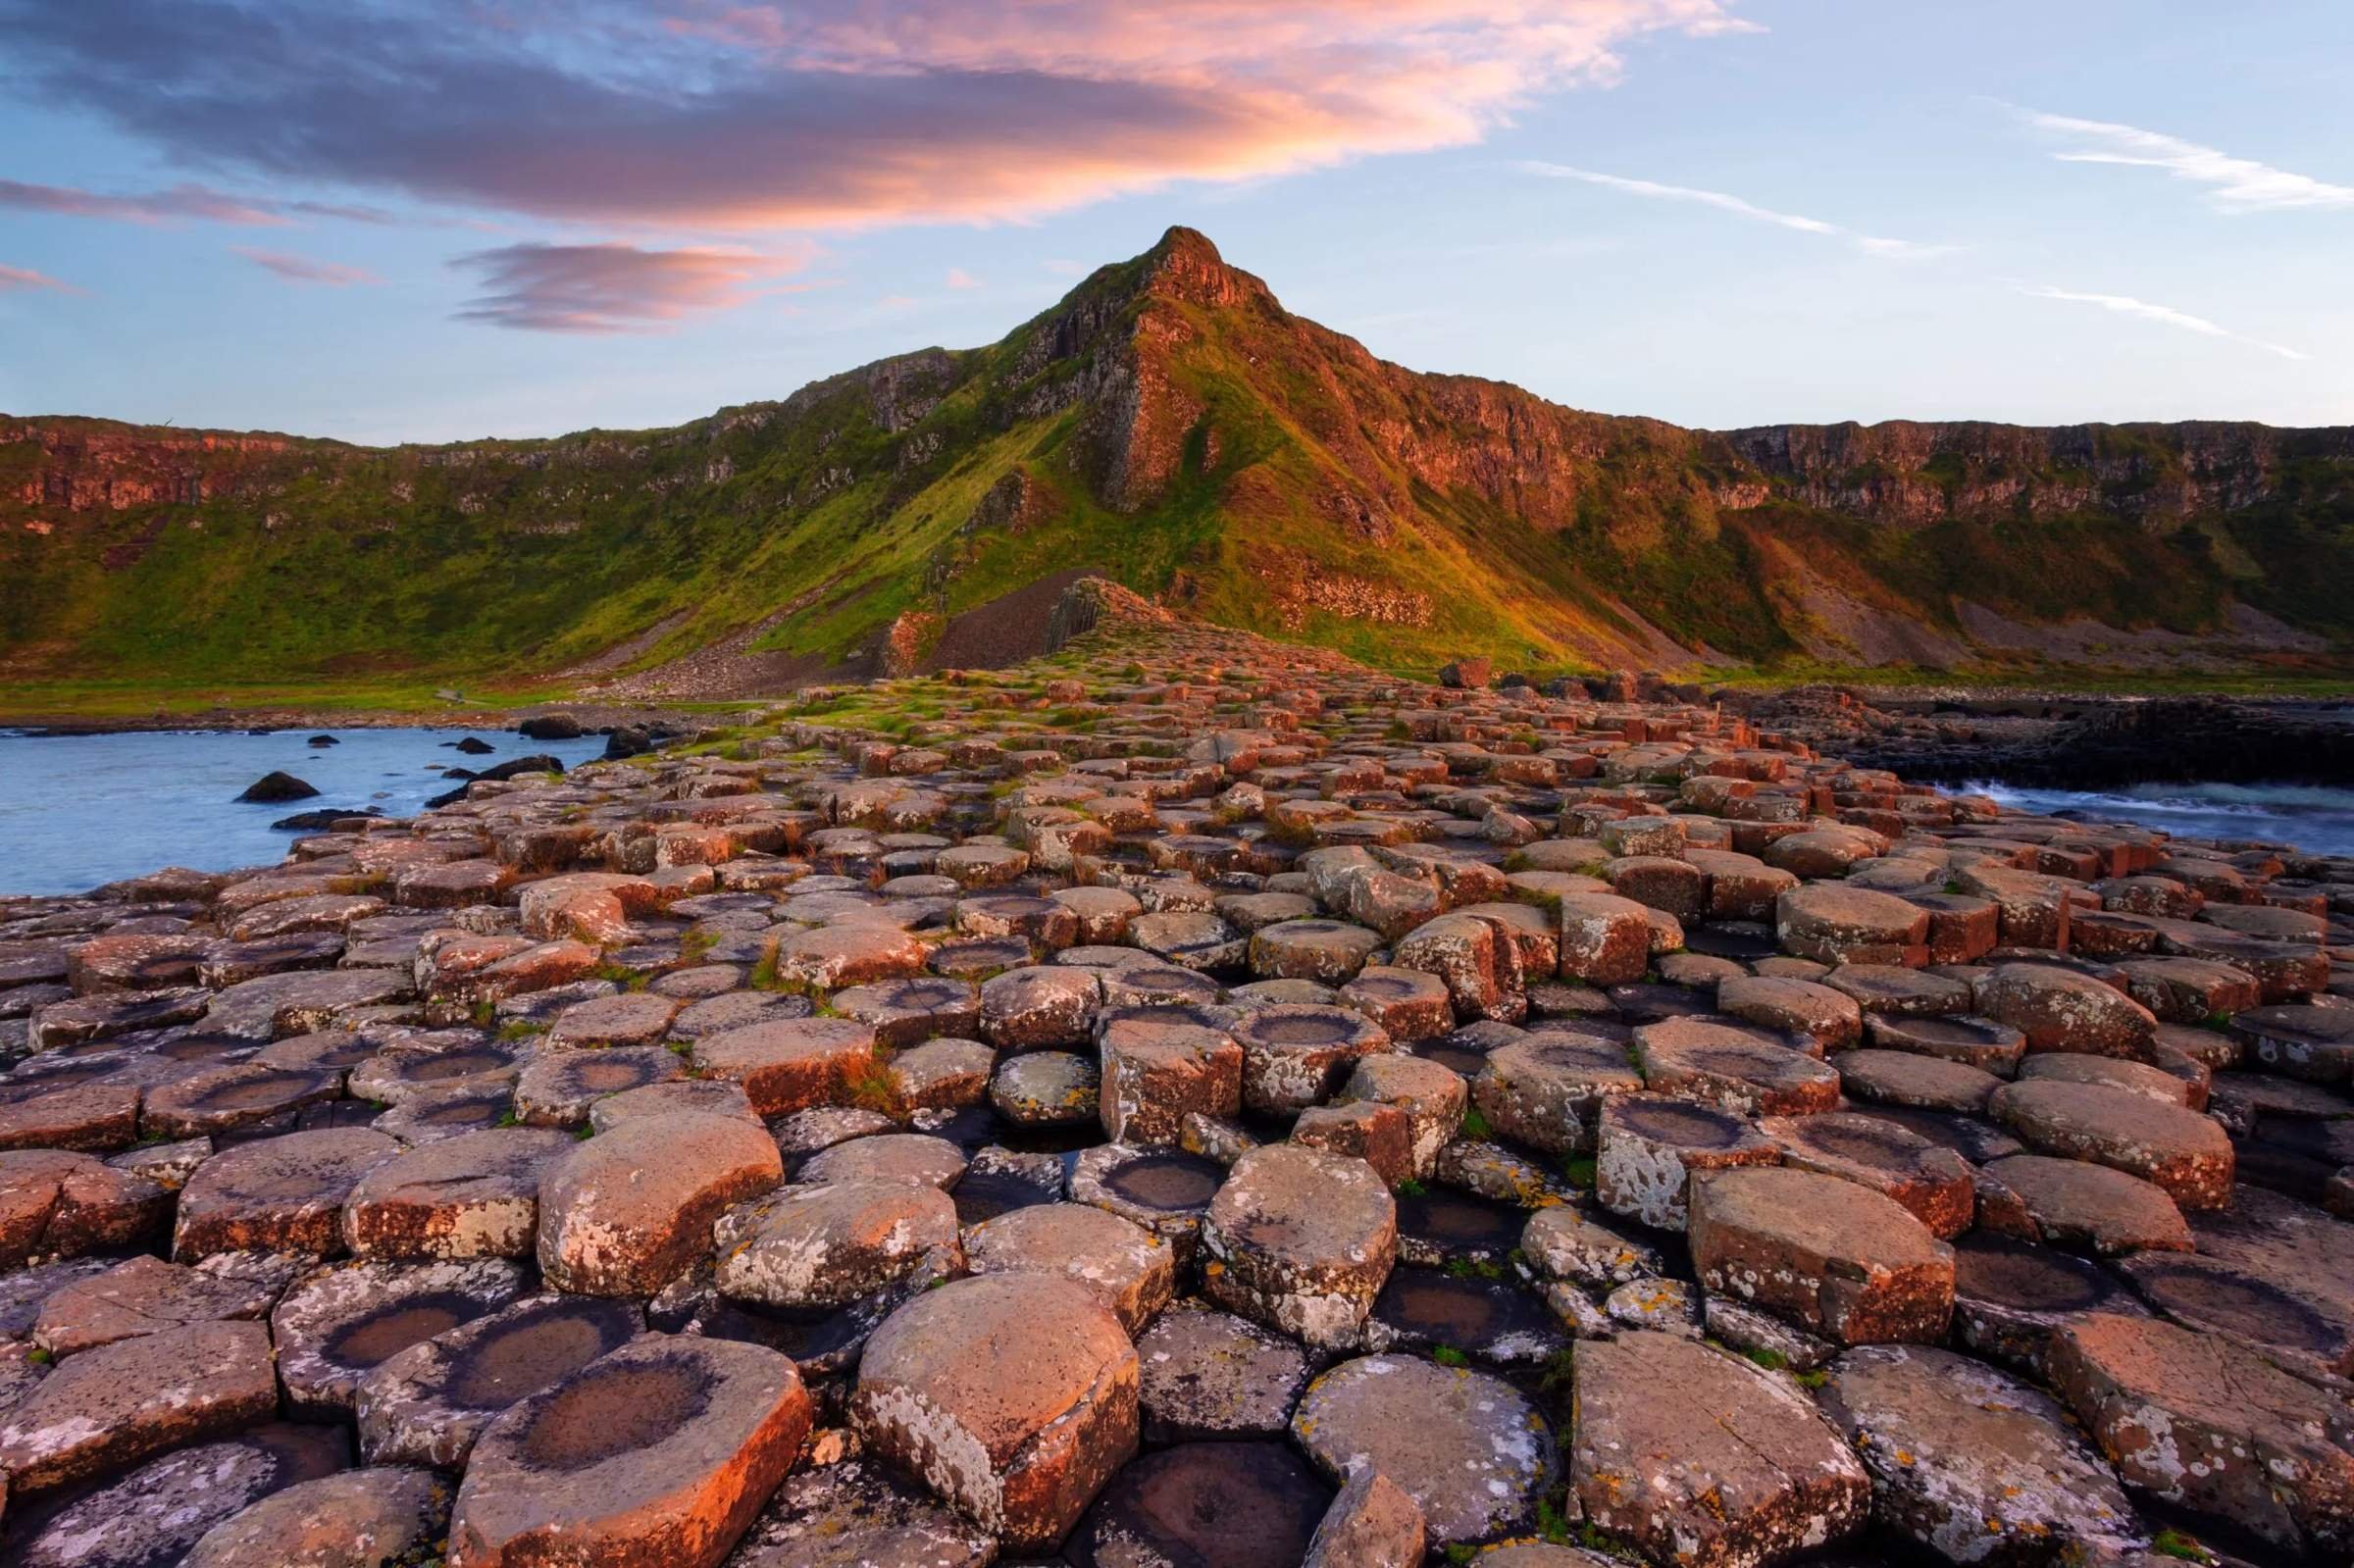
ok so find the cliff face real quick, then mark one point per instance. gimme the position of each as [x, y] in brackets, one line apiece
[1171, 423]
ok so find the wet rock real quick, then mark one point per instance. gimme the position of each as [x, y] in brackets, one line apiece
[1301, 1240]
[336, 1327]
[661, 1451]
[110, 1407]
[1473, 1454]
[2293, 1321]
[271, 788]
[1210, 1374]
[1205, 1505]
[624, 1212]
[2009, 1295]
[2209, 1427]
[1012, 1395]
[1836, 1258]
[360, 1519]
[560, 1090]
[1648, 1148]
[1972, 1464]
[1698, 1457]
[428, 1404]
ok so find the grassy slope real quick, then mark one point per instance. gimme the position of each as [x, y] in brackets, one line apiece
[495, 565]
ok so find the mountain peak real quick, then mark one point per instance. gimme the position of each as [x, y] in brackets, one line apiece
[1186, 266]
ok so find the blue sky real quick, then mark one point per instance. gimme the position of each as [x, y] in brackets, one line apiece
[386, 220]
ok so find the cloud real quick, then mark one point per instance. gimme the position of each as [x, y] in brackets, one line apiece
[958, 278]
[611, 287]
[2234, 184]
[2164, 315]
[303, 270]
[1874, 245]
[817, 112]
[177, 204]
[15, 277]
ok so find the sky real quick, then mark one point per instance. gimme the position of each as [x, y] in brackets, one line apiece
[432, 220]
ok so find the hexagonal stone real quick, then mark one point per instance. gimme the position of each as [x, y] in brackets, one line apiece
[709, 1095]
[88, 1117]
[1296, 1056]
[1432, 1096]
[1407, 1003]
[2009, 1295]
[1210, 1374]
[2186, 1154]
[912, 1157]
[909, 1012]
[1012, 1395]
[2061, 1010]
[1466, 1447]
[421, 1069]
[220, 1100]
[1929, 1180]
[475, 1194]
[854, 1514]
[1606, 939]
[1696, 1456]
[1046, 1088]
[1837, 1259]
[1835, 924]
[792, 1064]
[2075, 1205]
[634, 1018]
[1831, 1018]
[359, 1519]
[1301, 1240]
[2292, 1322]
[2212, 1428]
[557, 1090]
[830, 1245]
[1547, 1090]
[156, 1514]
[139, 1296]
[1648, 1146]
[59, 1204]
[1329, 951]
[661, 1451]
[1371, 1524]
[1217, 1504]
[1921, 1083]
[1039, 1007]
[2186, 1087]
[2305, 1042]
[338, 1325]
[277, 1194]
[1156, 1074]
[1975, 1465]
[622, 1213]
[1131, 1270]
[428, 1404]
[1732, 1068]
[113, 1406]
[1977, 1042]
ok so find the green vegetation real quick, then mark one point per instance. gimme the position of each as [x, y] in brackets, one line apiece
[1447, 1355]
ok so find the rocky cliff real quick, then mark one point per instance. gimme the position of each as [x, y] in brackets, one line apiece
[1169, 423]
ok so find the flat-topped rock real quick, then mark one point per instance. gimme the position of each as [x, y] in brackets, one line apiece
[1301, 1240]
[278, 1195]
[1696, 1456]
[829, 1244]
[1829, 1018]
[1834, 923]
[1296, 1057]
[1217, 1504]
[1210, 1374]
[2062, 1011]
[475, 1195]
[139, 1296]
[1649, 1146]
[57, 1204]
[1834, 1257]
[2184, 1153]
[1930, 1181]
[622, 1213]
[1918, 1082]
[428, 1404]
[377, 1518]
[661, 1451]
[1156, 1074]
[2078, 1205]
[1732, 1068]
[1133, 1271]
[1012, 1395]
[108, 1408]
[788, 1065]
[1547, 1089]
[1466, 1447]
[156, 1514]
[856, 1514]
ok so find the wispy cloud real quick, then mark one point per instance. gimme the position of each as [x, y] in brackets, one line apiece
[15, 278]
[958, 278]
[179, 204]
[2234, 184]
[2164, 315]
[1725, 202]
[723, 114]
[303, 270]
[612, 288]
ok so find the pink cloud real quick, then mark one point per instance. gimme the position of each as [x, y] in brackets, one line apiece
[303, 270]
[821, 113]
[613, 287]
[13, 277]
[182, 202]
[958, 278]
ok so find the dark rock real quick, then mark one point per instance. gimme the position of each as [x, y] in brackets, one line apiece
[272, 788]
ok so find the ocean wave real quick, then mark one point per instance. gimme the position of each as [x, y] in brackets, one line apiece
[2318, 819]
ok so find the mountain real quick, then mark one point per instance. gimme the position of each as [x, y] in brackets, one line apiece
[1170, 424]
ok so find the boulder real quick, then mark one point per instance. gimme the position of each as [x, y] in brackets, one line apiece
[625, 1212]
[1301, 1240]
